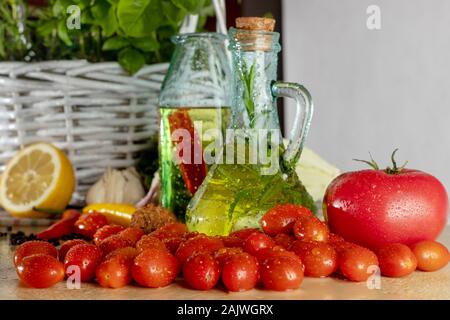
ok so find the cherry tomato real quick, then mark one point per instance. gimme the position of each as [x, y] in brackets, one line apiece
[170, 231]
[223, 254]
[244, 233]
[84, 256]
[114, 272]
[132, 235]
[334, 238]
[281, 273]
[155, 268]
[173, 243]
[201, 271]
[148, 242]
[274, 252]
[89, 223]
[396, 260]
[34, 247]
[281, 218]
[284, 240]
[65, 247]
[431, 255]
[309, 228]
[232, 241]
[240, 272]
[112, 243]
[128, 253]
[354, 263]
[105, 232]
[320, 259]
[196, 245]
[40, 270]
[257, 241]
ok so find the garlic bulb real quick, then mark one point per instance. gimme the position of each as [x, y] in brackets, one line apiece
[117, 186]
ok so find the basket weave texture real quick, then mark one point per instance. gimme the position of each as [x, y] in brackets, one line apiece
[98, 114]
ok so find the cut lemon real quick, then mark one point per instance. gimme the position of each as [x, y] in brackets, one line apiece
[38, 176]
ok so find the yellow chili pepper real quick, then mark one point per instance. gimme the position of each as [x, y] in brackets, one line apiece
[115, 213]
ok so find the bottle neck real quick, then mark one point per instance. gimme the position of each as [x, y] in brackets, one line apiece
[254, 57]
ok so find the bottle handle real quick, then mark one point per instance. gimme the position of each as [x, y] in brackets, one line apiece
[302, 121]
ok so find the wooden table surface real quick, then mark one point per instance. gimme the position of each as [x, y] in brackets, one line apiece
[419, 285]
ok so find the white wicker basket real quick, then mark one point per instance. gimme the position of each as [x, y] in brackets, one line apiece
[96, 112]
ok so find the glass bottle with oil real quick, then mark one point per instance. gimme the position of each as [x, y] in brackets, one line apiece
[194, 101]
[255, 171]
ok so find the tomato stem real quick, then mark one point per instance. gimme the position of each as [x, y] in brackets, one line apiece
[395, 169]
[371, 163]
[390, 170]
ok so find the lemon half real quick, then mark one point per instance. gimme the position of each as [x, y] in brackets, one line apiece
[38, 176]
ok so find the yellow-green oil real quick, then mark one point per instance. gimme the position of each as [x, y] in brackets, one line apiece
[174, 193]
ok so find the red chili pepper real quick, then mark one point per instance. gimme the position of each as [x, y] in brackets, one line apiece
[62, 227]
[193, 173]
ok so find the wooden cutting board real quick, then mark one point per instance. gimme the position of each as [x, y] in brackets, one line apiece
[419, 285]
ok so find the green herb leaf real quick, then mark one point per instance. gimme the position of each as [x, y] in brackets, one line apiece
[192, 6]
[115, 43]
[139, 18]
[63, 33]
[131, 60]
[174, 14]
[105, 16]
[148, 44]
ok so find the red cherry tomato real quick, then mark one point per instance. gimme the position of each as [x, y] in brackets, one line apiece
[105, 232]
[114, 272]
[276, 251]
[223, 254]
[201, 272]
[65, 247]
[354, 263]
[282, 217]
[155, 268]
[257, 241]
[281, 273]
[431, 255]
[320, 259]
[196, 245]
[373, 207]
[173, 243]
[40, 270]
[284, 240]
[86, 257]
[132, 235]
[149, 242]
[34, 247]
[89, 223]
[127, 253]
[309, 228]
[334, 238]
[396, 260]
[244, 233]
[112, 243]
[232, 241]
[240, 272]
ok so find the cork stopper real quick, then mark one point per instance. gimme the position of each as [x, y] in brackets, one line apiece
[255, 23]
[254, 33]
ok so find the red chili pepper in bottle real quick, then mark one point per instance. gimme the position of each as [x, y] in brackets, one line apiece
[194, 172]
[62, 227]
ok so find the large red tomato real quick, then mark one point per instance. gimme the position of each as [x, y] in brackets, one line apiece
[378, 207]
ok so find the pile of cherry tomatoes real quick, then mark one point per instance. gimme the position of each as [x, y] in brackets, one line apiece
[292, 244]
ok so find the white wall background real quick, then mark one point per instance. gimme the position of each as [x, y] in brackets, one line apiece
[374, 90]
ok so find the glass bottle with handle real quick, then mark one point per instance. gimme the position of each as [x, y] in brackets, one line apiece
[254, 171]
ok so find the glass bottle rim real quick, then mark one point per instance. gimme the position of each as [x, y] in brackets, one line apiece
[214, 36]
